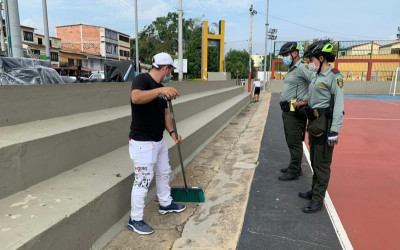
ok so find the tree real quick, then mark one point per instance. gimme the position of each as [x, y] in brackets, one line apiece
[268, 60]
[237, 61]
[193, 54]
[162, 36]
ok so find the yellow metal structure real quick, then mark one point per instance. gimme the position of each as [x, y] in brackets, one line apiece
[206, 36]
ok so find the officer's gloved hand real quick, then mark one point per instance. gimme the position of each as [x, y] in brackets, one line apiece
[333, 138]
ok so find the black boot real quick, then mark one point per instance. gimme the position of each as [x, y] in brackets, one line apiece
[285, 170]
[313, 207]
[306, 195]
[288, 177]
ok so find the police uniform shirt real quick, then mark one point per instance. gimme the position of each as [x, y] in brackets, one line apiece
[297, 80]
[322, 87]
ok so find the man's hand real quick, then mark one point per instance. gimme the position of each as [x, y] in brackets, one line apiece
[169, 92]
[177, 141]
[298, 104]
[333, 138]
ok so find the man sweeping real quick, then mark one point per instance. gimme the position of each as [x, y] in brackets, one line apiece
[147, 148]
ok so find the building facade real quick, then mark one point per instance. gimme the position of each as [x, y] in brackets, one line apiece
[96, 43]
[258, 60]
[33, 45]
[124, 47]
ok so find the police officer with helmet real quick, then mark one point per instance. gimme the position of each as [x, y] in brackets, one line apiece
[295, 95]
[325, 114]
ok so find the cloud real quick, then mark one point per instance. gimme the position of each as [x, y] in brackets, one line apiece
[28, 22]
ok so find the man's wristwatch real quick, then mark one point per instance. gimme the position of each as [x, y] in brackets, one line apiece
[170, 133]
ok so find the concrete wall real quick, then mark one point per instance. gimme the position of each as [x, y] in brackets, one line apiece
[219, 76]
[20, 104]
[351, 88]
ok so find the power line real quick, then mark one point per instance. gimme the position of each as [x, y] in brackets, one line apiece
[320, 30]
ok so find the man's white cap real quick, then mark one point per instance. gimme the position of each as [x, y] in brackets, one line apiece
[162, 59]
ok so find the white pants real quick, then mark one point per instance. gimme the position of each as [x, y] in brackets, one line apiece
[148, 158]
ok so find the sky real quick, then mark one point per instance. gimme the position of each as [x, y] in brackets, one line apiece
[342, 20]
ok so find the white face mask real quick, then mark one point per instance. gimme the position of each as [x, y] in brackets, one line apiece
[312, 67]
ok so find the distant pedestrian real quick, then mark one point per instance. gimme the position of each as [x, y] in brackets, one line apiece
[257, 87]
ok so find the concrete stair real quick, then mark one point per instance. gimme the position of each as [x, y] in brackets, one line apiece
[66, 180]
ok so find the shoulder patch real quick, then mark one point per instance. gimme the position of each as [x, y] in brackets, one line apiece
[294, 73]
[339, 82]
[335, 71]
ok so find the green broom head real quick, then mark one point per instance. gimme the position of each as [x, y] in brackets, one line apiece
[192, 194]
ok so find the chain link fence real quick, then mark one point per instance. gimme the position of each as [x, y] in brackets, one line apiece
[357, 60]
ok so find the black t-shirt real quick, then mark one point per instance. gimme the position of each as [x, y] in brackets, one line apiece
[148, 120]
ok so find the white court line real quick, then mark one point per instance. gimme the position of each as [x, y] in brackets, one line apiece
[391, 103]
[373, 119]
[337, 224]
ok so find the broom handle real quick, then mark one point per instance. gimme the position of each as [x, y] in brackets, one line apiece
[171, 111]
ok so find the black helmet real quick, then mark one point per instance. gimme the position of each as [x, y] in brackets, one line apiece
[289, 47]
[320, 48]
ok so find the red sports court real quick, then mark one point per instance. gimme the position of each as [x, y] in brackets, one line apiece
[365, 177]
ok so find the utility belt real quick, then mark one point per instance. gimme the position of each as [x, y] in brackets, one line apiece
[300, 112]
[285, 106]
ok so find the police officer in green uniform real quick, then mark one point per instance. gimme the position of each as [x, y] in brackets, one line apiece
[326, 110]
[295, 95]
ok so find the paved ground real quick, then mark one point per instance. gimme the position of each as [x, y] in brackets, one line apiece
[240, 212]
[224, 169]
[274, 219]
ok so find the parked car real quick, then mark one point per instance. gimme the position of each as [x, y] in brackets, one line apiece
[97, 75]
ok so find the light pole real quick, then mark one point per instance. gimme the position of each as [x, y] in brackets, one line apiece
[13, 29]
[46, 30]
[180, 43]
[252, 13]
[266, 47]
[271, 36]
[237, 79]
[137, 39]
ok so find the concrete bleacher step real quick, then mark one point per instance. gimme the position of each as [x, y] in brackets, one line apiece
[22, 104]
[36, 151]
[73, 209]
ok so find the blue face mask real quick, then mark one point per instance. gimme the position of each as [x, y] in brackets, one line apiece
[287, 60]
[166, 79]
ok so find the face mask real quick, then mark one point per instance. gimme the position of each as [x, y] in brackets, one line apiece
[166, 79]
[287, 61]
[312, 67]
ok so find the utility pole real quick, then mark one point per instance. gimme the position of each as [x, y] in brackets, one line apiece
[266, 47]
[137, 38]
[14, 34]
[3, 46]
[252, 13]
[7, 22]
[46, 30]
[180, 42]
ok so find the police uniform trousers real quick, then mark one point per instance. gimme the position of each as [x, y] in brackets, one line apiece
[294, 129]
[320, 164]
